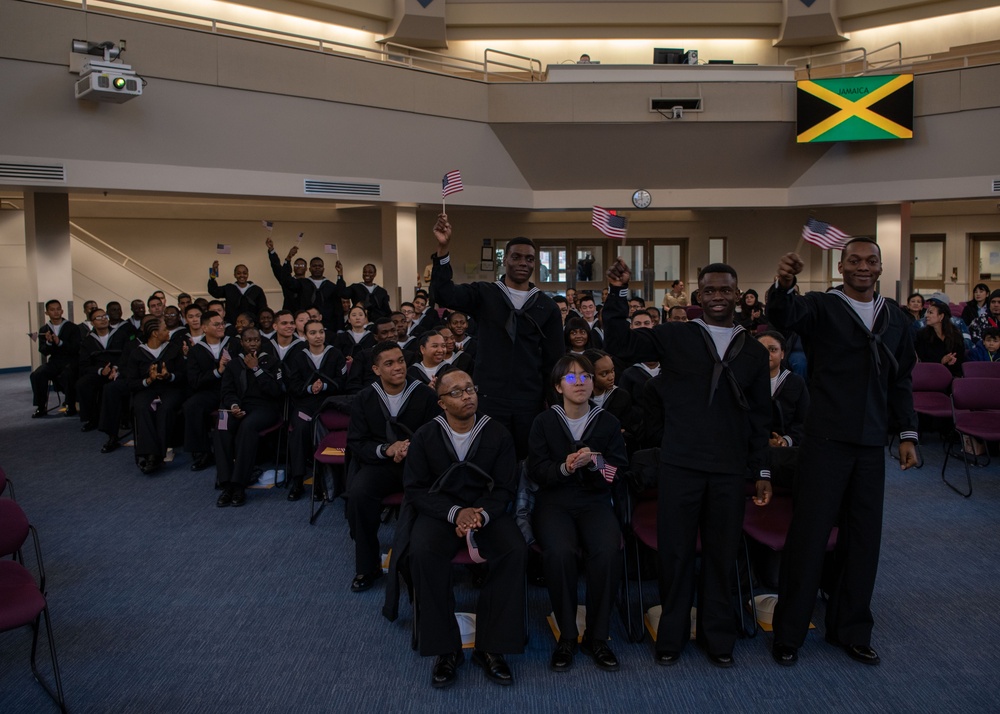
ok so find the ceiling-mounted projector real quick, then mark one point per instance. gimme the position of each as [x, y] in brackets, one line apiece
[102, 80]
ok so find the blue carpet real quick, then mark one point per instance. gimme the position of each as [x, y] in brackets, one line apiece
[163, 603]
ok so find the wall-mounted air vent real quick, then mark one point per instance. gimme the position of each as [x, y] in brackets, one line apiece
[32, 173]
[996, 185]
[333, 188]
[665, 104]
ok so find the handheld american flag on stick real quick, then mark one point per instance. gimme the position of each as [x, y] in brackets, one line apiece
[451, 183]
[607, 470]
[610, 223]
[268, 225]
[824, 235]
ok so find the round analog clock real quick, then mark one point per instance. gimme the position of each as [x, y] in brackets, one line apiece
[641, 198]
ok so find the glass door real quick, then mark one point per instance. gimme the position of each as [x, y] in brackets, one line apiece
[927, 271]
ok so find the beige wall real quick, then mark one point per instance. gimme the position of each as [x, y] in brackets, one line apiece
[16, 349]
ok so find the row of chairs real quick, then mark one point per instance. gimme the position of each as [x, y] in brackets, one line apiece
[22, 599]
[969, 405]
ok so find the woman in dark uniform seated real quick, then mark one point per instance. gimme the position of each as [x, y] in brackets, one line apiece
[574, 451]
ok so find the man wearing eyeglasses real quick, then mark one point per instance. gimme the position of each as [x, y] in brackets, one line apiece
[460, 479]
[721, 377]
[519, 328]
[384, 416]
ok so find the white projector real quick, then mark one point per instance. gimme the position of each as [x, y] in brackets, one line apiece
[108, 82]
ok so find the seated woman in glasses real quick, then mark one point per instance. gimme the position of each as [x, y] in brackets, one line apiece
[574, 451]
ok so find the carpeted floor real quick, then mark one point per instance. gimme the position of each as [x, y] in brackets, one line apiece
[163, 603]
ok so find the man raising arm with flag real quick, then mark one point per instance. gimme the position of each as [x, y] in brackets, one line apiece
[860, 359]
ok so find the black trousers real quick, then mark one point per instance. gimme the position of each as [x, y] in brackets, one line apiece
[88, 390]
[365, 491]
[300, 441]
[114, 402]
[63, 374]
[566, 521]
[838, 484]
[198, 421]
[500, 610]
[153, 426]
[516, 417]
[236, 445]
[690, 500]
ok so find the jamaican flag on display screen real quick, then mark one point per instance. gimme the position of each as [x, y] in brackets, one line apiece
[855, 109]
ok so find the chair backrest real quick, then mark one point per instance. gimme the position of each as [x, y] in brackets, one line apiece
[334, 420]
[13, 527]
[981, 369]
[976, 394]
[931, 377]
[3, 480]
[694, 312]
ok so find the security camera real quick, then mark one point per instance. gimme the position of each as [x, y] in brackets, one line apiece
[676, 112]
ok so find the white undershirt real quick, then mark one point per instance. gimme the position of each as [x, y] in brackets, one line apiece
[518, 297]
[774, 383]
[599, 399]
[721, 336]
[357, 336]
[316, 282]
[431, 372]
[652, 371]
[370, 288]
[215, 349]
[317, 359]
[103, 340]
[157, 352]
[243, 291]
[576, 426]
[865, 310]
[282, 351]
[461, 442]
[395, 403]
[56, 328]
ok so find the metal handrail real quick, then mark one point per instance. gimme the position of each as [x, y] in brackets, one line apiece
[531, 62]
[78, 231]
[792, 61]
[379, 54]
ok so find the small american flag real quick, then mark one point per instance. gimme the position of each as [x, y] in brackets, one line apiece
[823, 235]
[610, 223]
[607, 470]
[223, 249]
[268, 224]
[300, 237]
[451, 183]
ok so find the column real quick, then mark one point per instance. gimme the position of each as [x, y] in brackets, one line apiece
[893, 236]
[49, 262]
[399, 252]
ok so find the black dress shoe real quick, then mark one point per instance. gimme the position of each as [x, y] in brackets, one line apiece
[239, 496]
[446, 669]
[562, 658]
[39, 413]
[71, 411]
[494, 666]
[721, 660]
[668, 659]
[110, 445]
[88, 426]
[601, 654]
[863, 654]
[200, 462]
[319, 496]
[225, 499]
[785, 655]
[150, 464]
[295, 492]
[365, 581]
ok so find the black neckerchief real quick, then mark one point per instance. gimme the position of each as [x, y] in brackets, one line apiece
[722, 364]
[392, 422]
[875, 343]
[511, 324]
[449, 446]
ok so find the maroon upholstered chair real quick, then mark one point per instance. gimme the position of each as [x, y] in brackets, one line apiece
[981, 369]
[6, 483]
[976, 412]
[22, 600]
[331, 450]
